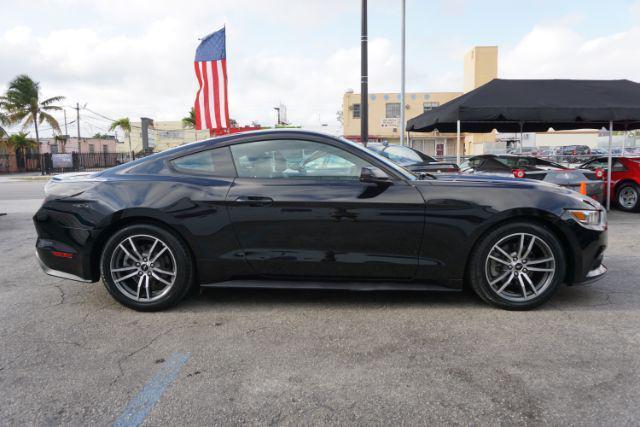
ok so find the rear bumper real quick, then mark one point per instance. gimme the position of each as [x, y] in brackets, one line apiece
[58, 273]
[65, 251]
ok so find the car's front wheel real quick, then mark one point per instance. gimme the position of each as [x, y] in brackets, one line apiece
[629, 197]
[145, 267]
[517, 266]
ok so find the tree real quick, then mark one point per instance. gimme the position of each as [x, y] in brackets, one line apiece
[190, 120]
[233, 123]
[125, 125]
[23, 105]
[21, 144]
[3, 122]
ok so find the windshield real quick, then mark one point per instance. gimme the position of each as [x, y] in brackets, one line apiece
[391, 165]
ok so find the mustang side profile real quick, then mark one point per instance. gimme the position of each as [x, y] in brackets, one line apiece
[305, 210]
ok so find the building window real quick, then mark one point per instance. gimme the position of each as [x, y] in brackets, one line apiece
[54, 149]
[105, 148]
[356, 111]
[393, 110]
[429, 105]
[92, 148]
[171, 134]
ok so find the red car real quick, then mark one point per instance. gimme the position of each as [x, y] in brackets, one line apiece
[625, 180]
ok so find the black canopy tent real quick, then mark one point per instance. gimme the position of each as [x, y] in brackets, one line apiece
[536, 106]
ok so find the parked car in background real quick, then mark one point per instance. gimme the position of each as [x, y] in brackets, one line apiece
[625, 180]
[301, 209]
[588, 182]
[413, 160]
[599, 152]
[574, 153]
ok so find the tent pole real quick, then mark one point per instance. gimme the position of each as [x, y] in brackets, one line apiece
[402, 101]
[458, 143]
[624, 142]
[609, 163]
[521, 142]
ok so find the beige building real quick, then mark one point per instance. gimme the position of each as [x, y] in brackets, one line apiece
[162, 135]
[480, 67]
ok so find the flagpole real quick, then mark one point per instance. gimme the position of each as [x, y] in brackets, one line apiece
[402, 79]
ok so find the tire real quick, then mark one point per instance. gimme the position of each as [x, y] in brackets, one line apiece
[511, 295]
[628, 197]
[140, 281]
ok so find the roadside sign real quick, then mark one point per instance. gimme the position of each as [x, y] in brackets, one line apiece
[62, 160]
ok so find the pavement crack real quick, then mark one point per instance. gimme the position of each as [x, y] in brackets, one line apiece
[62, 296]
[123, 359]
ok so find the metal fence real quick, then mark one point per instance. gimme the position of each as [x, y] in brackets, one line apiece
[48, 164]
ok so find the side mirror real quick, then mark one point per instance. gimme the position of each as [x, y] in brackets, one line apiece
[374, 175]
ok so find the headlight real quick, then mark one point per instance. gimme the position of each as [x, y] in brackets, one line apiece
[592, 219]
[59, 189]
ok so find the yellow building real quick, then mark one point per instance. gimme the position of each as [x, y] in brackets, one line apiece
[480, 67]
[384, 119]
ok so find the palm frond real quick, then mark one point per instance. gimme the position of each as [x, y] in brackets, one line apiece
[51, 121]
[122, 123]
[51, 100]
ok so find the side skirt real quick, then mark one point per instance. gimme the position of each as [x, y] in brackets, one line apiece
[351, 286]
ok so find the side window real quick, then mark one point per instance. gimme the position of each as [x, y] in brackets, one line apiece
[295, 159]
[618, 166]
[215, 162]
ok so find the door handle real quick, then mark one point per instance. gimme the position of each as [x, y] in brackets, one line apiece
[254, 201]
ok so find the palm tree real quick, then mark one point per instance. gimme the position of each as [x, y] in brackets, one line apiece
[3, 122]
[22, 144]
[22, 104]
[125, 125]
[190, 120]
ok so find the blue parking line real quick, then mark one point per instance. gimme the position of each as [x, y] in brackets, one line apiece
[139, 406]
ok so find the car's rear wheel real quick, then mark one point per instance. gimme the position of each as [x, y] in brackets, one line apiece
[628, 197]
[517, 266]
[146, 267]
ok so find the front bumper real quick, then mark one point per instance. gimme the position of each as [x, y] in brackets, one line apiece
[593, 275]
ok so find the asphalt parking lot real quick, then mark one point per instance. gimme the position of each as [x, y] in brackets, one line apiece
[71, 355]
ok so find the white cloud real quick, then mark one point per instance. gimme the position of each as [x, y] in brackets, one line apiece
[559, 52]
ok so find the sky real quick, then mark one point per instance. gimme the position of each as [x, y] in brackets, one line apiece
[134, 58]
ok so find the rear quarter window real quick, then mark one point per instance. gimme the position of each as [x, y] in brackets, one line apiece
[215, 162]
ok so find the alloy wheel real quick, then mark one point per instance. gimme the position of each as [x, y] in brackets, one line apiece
[628, 197]
[520, 266]
[143, 268]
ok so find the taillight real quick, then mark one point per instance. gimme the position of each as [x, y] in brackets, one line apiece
[61, 254]
[518, 173]
[600, 173]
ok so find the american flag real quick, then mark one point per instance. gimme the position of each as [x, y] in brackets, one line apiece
[212, 109]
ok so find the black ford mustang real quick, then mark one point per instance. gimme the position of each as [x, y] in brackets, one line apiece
[300, 209]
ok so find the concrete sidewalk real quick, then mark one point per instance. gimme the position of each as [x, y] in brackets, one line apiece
[27, 176]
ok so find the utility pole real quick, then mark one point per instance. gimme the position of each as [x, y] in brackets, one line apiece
[364, 79]
[78, 123]
[66, 131]
[402, 103]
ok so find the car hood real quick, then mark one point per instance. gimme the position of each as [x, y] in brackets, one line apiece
[507, 183]
[493, 178]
